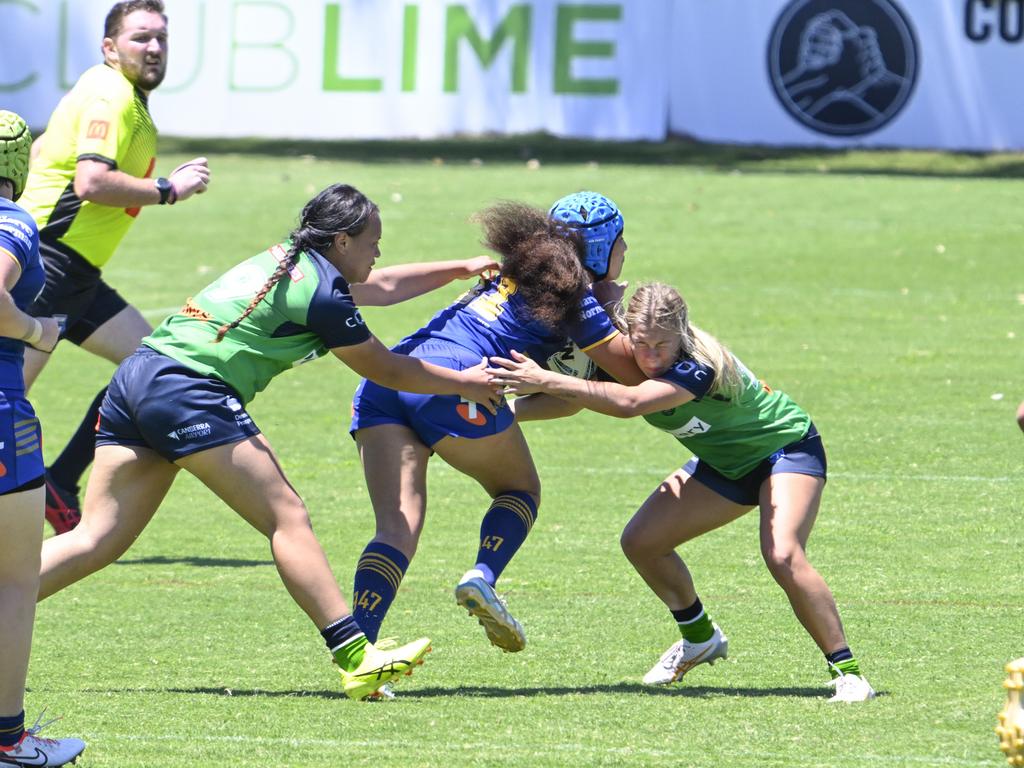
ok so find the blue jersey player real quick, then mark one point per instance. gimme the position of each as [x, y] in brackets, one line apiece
[542, 301]
[179, 402]
[21, 456]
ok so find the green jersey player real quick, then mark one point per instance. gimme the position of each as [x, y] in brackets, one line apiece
[179, 402]
[753, 447]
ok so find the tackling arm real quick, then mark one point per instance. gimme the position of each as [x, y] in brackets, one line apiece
[372, 360]
[521, 375]
[391, 285]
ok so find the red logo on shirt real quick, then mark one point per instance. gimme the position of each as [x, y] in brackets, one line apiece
[471, 413]
[97, 129]
[134, 212]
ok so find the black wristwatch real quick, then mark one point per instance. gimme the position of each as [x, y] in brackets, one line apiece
[166, 190]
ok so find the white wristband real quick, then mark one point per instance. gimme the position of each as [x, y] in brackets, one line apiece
[32, 337]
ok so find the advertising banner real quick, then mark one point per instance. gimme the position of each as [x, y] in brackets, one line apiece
[368, 68]
[913, 73]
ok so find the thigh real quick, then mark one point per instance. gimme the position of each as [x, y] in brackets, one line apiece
[21, 530]
[789, 507]
[680, 509]
[248, 477]
[395, 466]
[126, 486]
[114, 328]
[500, 462]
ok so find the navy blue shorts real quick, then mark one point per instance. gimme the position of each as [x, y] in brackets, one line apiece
[75, 288]
[431, 417]
[156, 402]
[21, 450]
[806, 456]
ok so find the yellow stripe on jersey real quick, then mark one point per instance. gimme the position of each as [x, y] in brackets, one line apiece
[605, 340]
[102, 118]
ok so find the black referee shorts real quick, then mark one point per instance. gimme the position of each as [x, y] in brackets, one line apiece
[75, 288]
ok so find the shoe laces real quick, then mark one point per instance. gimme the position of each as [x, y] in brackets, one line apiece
[386, 643]
[671, 658]
[37, 726]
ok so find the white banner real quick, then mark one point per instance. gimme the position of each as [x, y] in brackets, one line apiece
[907, 73]
[368, 68]
[913, 73]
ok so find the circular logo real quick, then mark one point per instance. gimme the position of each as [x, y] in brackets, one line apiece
[843, 67]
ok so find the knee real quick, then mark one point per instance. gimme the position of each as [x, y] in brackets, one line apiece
[399, 531]
[636, 546]
[100, 547]
[783, 560]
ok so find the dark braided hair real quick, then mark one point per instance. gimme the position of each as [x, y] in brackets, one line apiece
[339, 208]
[544, 259]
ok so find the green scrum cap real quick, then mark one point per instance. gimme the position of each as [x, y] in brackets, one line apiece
[15, 145]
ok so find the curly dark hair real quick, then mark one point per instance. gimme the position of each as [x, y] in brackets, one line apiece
[543, 259]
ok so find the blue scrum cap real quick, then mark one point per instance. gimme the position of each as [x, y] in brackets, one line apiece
[598, 222]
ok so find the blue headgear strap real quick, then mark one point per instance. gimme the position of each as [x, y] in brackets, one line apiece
[598, 222]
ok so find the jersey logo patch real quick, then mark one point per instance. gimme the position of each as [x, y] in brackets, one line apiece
[282, 255]
[97, 129]
[693, 427]
[471, 413]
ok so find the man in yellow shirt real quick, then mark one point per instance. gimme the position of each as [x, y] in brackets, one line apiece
[91, 173]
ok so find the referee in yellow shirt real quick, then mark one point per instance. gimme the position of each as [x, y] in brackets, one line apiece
[92, 171]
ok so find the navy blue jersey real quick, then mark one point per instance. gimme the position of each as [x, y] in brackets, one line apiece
[692, 376]
[19, 240]
[493, 319]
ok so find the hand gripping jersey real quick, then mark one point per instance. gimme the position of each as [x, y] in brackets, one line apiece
[308, 311]
[102, 118]
[734, 434]
[493, 319]
[19, 241]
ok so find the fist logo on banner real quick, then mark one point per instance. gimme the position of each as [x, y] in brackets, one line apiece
[843, 67]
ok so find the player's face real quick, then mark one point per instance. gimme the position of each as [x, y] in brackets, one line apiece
[616, 258]
[139, 50]
[654, 349]
[357, 253]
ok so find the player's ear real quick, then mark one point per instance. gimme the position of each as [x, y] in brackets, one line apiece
[341, 242]
[109, 51]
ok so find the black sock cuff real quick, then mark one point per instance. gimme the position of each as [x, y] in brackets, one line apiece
[686, 615]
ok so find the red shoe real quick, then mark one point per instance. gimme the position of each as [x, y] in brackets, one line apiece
[63, 511]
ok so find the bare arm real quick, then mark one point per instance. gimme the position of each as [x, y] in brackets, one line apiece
[100, 183]
[521, 375]
[41, 332]
[540, 407]
[391, 285]
[616, 357]
[374, 361]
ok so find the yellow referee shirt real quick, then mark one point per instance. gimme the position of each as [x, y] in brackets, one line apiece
[102, 118]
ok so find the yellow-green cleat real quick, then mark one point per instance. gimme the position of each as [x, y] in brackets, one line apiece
[380, 667]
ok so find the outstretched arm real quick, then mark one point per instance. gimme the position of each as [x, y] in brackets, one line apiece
[521, 375]
[372, 360]
[541, 407]
[390, 285]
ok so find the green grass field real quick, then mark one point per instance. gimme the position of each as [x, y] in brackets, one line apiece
[884, 292]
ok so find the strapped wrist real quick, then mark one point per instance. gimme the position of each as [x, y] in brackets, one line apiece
[34, 334]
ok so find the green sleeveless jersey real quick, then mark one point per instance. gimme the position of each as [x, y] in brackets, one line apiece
[733, 435]
[308, 311]
[102, 118]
